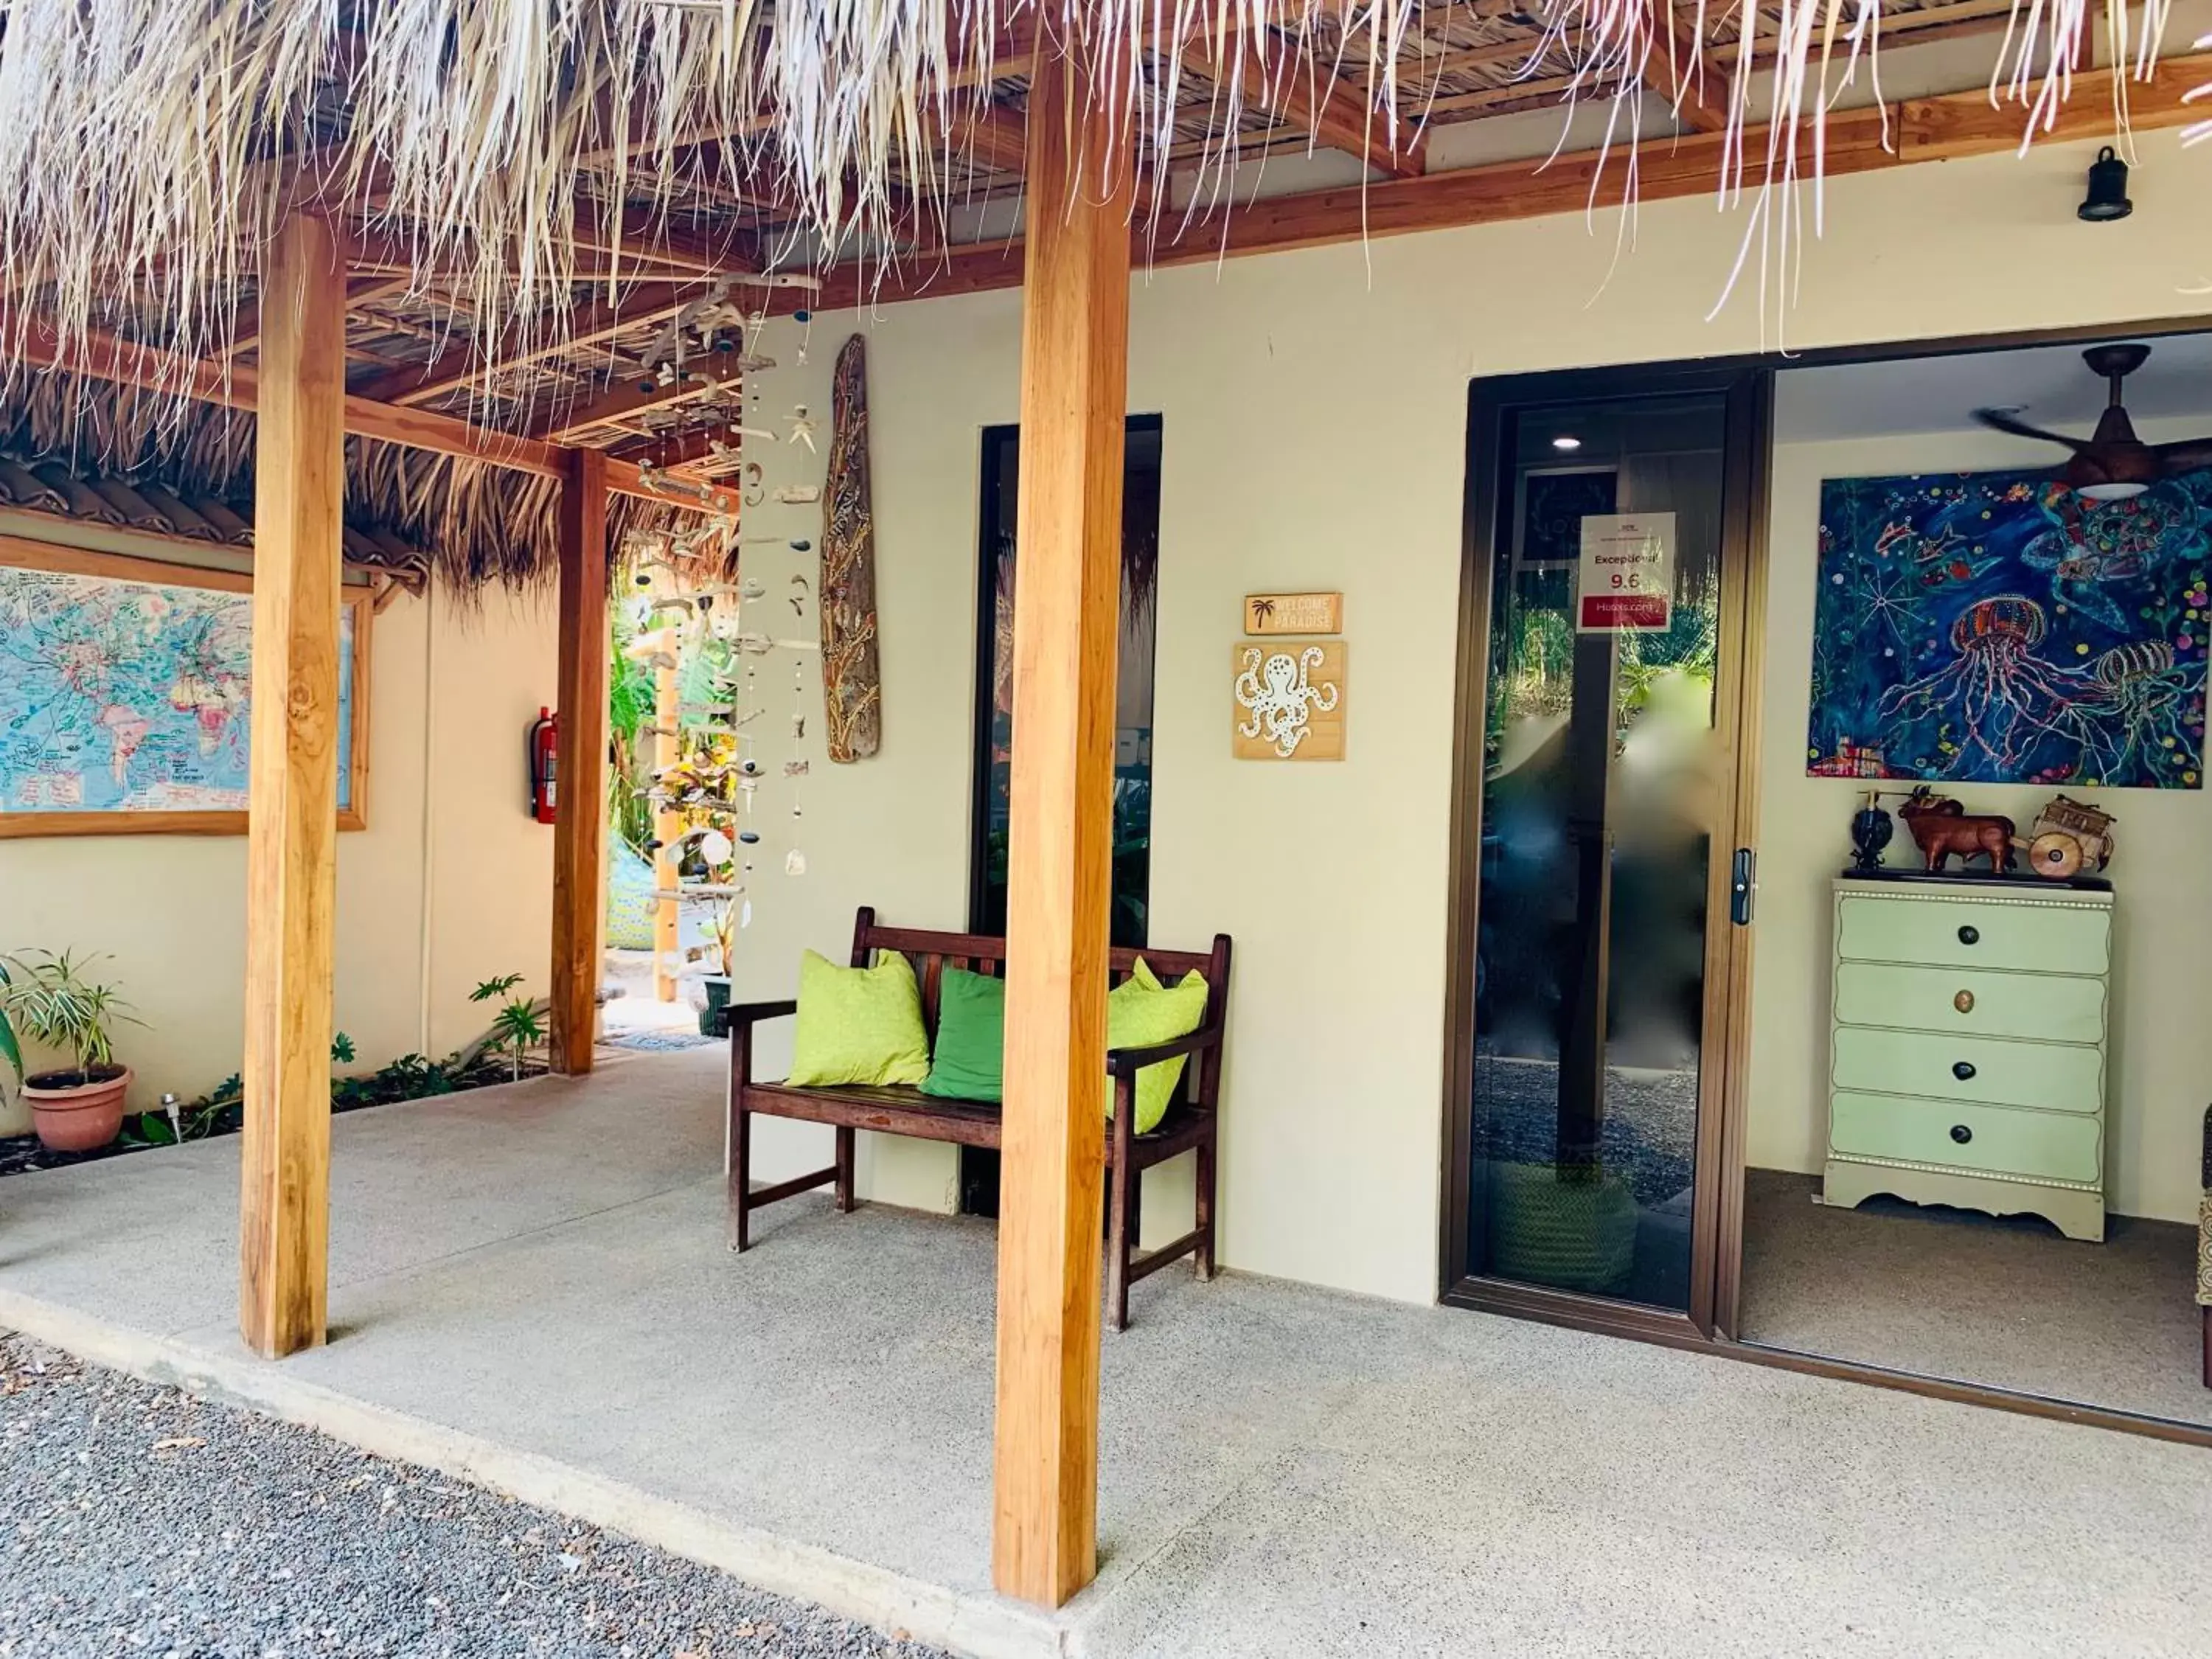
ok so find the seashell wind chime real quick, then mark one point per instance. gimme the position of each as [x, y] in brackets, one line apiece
[703, 624]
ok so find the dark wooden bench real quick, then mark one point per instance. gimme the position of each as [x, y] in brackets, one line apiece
[1189, 1125]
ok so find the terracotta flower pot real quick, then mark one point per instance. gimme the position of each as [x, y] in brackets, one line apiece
[77, 1117]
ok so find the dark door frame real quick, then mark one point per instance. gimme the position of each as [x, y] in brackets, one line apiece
[977, 1183]
[1492, 404]
[1726, 1259]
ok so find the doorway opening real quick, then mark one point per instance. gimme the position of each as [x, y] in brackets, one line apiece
[1975, 1128]
[997, 566]
[1947, 1131]
[1608, 566]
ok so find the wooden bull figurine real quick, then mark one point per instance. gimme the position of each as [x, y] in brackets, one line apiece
[1942, 827]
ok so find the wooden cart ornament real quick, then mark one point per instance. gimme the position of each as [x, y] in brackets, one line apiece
[2068, 838]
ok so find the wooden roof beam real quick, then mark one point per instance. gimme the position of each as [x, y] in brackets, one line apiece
[1304, 93]
[996, 138]
[625, 397]
[109, 357]
[1943, 127]
[1685, 65]
[463, 363]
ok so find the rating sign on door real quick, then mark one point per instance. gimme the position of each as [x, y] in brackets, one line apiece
[1625, 577]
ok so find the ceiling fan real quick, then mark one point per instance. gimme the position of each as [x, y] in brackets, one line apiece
[2112, 463]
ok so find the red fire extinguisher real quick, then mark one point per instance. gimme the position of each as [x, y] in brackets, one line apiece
[544, 737]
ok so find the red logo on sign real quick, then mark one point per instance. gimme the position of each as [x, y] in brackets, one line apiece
[1624, 611]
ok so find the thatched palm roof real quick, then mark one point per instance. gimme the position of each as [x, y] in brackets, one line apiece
[92, 451]
[551, 206]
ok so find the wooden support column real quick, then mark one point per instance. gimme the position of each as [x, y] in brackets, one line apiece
[580, 762]
[1067, 630]
[292, 843]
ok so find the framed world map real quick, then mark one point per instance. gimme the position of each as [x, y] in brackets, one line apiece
[125, 696]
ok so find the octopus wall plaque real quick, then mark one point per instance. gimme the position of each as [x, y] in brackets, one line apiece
[1288, 700]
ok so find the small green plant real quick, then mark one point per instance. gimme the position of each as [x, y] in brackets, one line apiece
[11, 1050]
[518, 1027]
[722, 928]
[49, 999]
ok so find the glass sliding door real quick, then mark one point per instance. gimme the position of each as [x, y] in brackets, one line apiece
[1599, 871]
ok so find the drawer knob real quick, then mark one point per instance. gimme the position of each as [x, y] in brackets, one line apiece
[1970, 936]
[1964, 1002]
[1961, 1134]
[1963, 1070]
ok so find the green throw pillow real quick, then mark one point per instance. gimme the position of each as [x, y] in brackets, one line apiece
[858, 1024]
[1141, 1011]
[970, 1062]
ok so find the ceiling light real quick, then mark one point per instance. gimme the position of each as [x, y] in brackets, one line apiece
[2108, 188]
[1564, 443]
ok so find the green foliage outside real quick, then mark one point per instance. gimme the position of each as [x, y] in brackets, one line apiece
[497, 1057]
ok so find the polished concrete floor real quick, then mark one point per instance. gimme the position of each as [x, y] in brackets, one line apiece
[532, 1281]
[1956, 1294]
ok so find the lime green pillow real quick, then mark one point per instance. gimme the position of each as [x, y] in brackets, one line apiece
[1141, 1011]
[858, 1024]
[970, 1062]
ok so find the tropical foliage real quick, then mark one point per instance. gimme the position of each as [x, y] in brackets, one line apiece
[48, 998]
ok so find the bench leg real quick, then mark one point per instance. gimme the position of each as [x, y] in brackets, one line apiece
[848, 1139]
[1120, 1235]
[1202, 1258]
[741, 1173]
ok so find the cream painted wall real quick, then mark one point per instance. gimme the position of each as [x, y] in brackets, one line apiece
[2161, 1075]
[171, 910]
[1314, 409]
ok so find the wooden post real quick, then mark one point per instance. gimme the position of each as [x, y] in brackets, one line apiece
[1067, 630]
[668, 825]
[579, 761]
[292, 841]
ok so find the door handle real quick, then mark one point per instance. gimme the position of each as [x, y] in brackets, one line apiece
[1743, 886]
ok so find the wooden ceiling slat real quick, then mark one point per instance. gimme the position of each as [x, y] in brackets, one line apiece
[1305, 94]
[462, 363]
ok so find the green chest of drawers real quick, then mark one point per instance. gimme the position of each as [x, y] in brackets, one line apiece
[1966, 1055]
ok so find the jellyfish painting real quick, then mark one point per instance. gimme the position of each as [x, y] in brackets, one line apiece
[2002, 698]
[2093, 551]
[1998, 627]
[2157, 704]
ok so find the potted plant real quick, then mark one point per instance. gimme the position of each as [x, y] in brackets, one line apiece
[49, 1000]
[722, 928]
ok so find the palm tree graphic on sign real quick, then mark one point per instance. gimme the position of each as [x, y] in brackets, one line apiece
[1261, 609]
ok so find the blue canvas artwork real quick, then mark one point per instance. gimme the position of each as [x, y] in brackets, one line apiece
[1998, 627]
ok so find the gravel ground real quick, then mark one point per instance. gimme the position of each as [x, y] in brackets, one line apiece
[137, 1520]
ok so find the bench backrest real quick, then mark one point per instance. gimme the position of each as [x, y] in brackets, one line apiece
[932, 953]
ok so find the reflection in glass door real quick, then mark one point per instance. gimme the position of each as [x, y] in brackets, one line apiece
[1594, 1034]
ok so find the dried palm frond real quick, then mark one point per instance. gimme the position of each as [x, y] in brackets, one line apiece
[480, 524]
[148, 148]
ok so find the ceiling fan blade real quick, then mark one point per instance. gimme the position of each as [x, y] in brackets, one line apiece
[2185, 456]
[1999, 421]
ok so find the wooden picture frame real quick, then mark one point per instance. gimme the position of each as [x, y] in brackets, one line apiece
[18, 553]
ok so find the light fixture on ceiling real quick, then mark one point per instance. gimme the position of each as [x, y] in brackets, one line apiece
[2112, 463]
[1563, 441]
[2108, 188]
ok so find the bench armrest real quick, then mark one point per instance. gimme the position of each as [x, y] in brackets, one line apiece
[1127, 1062]
[752, 1013]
